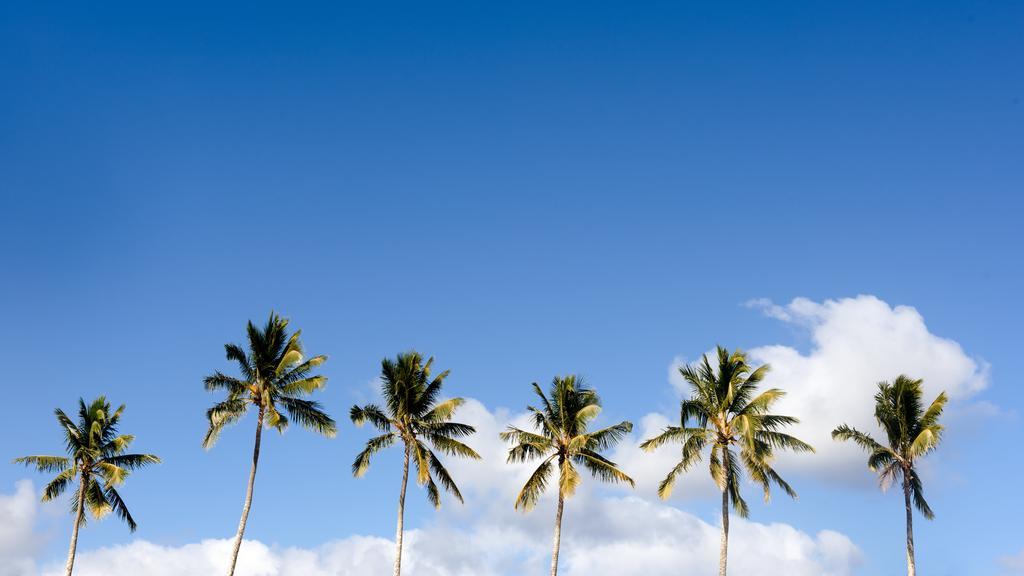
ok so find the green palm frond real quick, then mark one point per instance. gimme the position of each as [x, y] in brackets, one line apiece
[781, 441]
[535, 485]
[372, 414]
[442, 475]
[865, 441]
[607, 437]
[58, 485]
[669, 434]
[45, 463]
[96, 499]
[309, 414]
[602, 468]
[450, 447]
[443, 411]
[117, 505]
[917, 493]
[373, 445]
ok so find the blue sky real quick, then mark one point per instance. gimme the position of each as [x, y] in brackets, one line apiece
[520, 190]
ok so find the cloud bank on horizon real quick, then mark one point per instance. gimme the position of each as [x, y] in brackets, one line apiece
[856, 342]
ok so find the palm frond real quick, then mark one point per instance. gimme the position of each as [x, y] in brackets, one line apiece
[442, 475]
[309, 414]
[603, 468]
[917, 493]
[373, 445]
[450, 446]
[608, 437]
[372, 414]
[45, 463]
[535, 485]
[862, 439]
[58, 485]
[443, 412]
[133, 461]
[669, 434]
[568, 478]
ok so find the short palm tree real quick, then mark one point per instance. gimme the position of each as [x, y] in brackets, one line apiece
[724, 411]
[413, 416]
[562, 440]
[912, 432]
[274, 375]
[96, 458]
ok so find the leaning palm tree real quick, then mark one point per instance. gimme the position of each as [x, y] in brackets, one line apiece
[912, 432]
[413, 416]
[274, 375]
[96, 458]
[561, 439]
[724, 412]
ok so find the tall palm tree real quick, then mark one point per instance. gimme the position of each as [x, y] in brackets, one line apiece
[413, 416]
[724, 412]
[562, 440]
[274, 375]
[912, 432]
[96, 457]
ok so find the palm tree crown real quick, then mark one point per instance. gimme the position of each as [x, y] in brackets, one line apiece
[724, 412]
[413, 415]
[563, 441]
[96, 455]
[274, 375]
[912, 432]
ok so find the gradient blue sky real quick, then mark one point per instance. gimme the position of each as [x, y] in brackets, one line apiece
[520, 189]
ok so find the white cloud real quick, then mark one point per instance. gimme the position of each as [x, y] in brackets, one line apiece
[619, 536]
[18, 539]
[856, 343]
[603, 535]
[1013, 564]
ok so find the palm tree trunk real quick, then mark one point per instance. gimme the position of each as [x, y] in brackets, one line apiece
[79, 515]
[911, 566]
[248, 495]
[723, 551]
[401, 514]
[558, 535]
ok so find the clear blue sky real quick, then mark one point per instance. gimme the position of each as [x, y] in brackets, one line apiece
[520, 189]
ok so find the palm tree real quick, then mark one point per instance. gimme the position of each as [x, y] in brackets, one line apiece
[724, 412]
[562, 440]
[96, 457]
[274, 375]
[912, 432]
[413, 416]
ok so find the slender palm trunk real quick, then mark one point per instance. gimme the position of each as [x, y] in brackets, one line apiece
[558, 535]
[248, 495]
[401, 514]
[723, 550]
[911, 566]
[79, 515]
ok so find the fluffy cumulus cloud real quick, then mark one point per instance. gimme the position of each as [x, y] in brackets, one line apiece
[604, 534]
[856, 343]
[18, 541]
